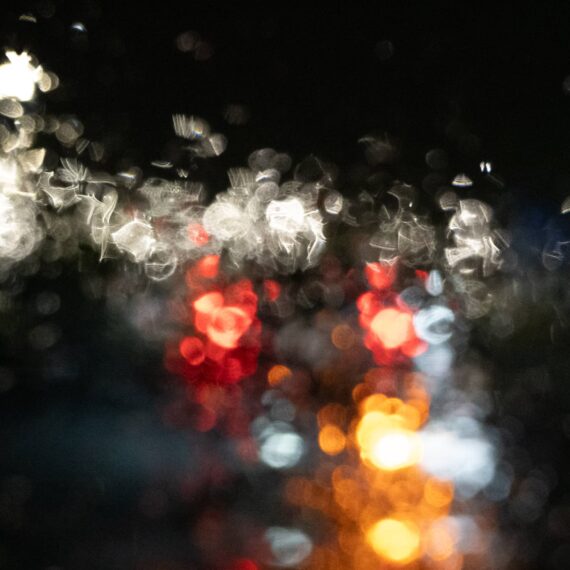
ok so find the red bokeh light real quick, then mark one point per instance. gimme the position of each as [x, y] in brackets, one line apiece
[227, 333]
[209, 266]
[272, 290]
[227, 325]
[380, 276]
[244, 564]
[198, 235]
[390, 334]
[393, 327]
[192, 350]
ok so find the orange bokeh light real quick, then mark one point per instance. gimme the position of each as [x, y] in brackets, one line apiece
[331, 440]
[438, 493]
[277, 374]
[343, 337]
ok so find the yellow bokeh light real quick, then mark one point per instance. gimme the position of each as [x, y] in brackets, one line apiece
[385, 441]
[395, 450]
[395, 540]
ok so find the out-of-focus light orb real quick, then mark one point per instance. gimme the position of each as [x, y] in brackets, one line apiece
[438, 493]
[385, 442]
[395, 450]
[277, 374]
[136, 238]
[209, 266]
[466, 459]
[18, 77]
[227, 325]
[286, 216]
[440, 540]
[197, 234]
[433, 324]
[331, 440]
[392, 327]
[395, 540]
[8, 172]
[343, 337]
[436, 361]
[192, 350]
[289, 546]
[20, 232]
[281, 449]
[380, 275]
[208, 302]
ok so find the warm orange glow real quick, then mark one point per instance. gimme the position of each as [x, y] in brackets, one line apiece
[392, 327]
[386, 435]
[343, 337]
[438, 493]
[389, 512]
[395, 540]
[331, 440]
[395, 449]
[277, 374]
[332, 414]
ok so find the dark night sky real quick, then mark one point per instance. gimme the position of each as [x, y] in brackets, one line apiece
[483, 83]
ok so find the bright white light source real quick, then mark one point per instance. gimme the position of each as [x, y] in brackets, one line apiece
[286, 216]
[395, 450]
[466, 459]
[225, 221]
[433, 324]
[136, 238]
[19, 229]
[8, 172]
[18, 77]
[434, 283]
[281, 450]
